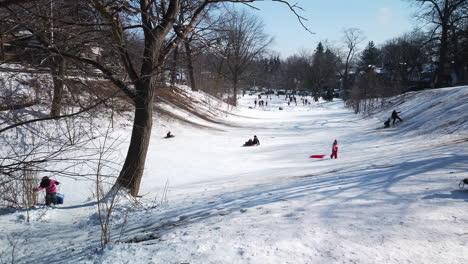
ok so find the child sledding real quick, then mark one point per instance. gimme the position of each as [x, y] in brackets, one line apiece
[462, 183]
[252, 142]
[169, 135]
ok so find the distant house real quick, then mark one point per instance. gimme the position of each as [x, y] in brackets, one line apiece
[18, 46]
[12, 44]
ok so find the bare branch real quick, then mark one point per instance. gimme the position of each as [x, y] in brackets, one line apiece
[53, 118]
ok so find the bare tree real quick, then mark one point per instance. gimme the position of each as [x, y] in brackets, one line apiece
[295, 71]
[135, 74]
[243, 39]
[352, 38]
[404, 56]
[442, 15]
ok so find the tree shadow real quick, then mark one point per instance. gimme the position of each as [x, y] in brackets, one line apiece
[338, 188]
[455, 194]
[77, 206]
[371, 183]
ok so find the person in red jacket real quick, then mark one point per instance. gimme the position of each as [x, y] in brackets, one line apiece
[51, 190]
[334, 150]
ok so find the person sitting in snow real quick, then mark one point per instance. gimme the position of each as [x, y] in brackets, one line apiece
[169, 135]
[256, 141]
[51, 190]
[334, 150]
[395, 116]
[253, 142]
[387, 123]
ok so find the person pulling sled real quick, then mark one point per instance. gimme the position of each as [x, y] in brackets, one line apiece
[334, 150]
[395, 116]
[51, 190]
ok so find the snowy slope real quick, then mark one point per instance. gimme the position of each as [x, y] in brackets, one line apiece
[391, 196]
[437, 112]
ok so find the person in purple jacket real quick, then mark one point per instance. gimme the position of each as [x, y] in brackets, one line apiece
[51, 190]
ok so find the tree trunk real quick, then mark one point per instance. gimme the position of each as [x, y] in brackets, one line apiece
[188, 50]
[58, 70]
[132, 170]
[440, 72]
[235, 84]
[346, 73]
[174, 66]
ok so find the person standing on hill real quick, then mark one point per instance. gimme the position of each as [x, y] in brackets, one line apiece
[51, 190]
[334, 150]
[395, 116]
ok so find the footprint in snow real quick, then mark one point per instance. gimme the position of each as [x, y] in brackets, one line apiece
[223, 213]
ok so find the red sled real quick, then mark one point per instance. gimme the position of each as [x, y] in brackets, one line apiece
[317, 156]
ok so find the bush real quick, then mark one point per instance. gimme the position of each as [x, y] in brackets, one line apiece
[17, 191]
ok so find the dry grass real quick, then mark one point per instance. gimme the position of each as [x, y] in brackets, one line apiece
[182, 101]
[176, 98]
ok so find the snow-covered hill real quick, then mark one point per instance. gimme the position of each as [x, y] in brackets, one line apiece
[437, 112]
[391, 196]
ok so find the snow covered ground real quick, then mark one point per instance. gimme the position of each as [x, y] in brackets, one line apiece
[391, 196]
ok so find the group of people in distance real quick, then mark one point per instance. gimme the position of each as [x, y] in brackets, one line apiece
[394, 116]
[260, 103]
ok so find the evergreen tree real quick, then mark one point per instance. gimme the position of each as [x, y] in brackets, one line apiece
[370, 57]
[322, 77]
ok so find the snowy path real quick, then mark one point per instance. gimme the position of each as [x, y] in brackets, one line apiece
[388, 198]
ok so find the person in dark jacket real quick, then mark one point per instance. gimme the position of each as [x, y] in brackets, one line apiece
[256, 141]
[169, 135]
[253, 142]
[387, 123]
[395, 116]
[51, 190]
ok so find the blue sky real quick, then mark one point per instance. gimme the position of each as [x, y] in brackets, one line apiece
[380, 20]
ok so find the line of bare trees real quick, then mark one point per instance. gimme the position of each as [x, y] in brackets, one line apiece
[432, 56]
